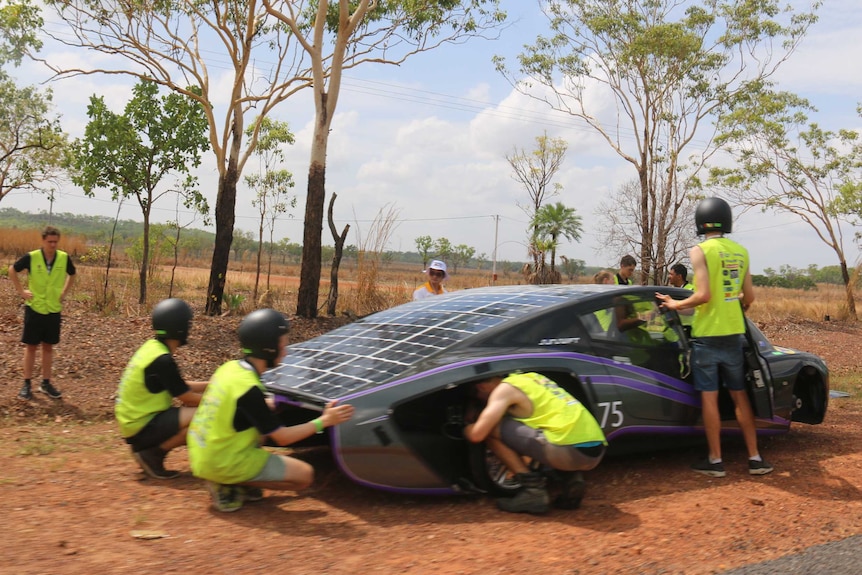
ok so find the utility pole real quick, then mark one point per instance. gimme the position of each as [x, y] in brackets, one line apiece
[494, 264]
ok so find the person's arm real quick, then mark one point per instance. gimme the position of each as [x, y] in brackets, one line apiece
[197, 386]
[499, 402]
[702, 293]
[13, 275]
[70, 281]
[164, 374]
[333, 414]
[747, 291]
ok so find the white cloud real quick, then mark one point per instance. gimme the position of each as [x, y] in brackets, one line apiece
[429, 137]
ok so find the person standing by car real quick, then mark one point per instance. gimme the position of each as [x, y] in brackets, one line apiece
[50, 275]
[437, 274]
[627, 269]
[148, 421]
[677, 276]
[528, 415]
[722, 291]
[234, 417]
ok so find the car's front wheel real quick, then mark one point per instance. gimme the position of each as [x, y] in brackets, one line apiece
[489, 473]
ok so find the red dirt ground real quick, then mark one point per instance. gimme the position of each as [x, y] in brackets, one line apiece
[75, 502]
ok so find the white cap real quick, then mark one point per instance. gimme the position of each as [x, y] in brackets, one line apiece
[440, 266]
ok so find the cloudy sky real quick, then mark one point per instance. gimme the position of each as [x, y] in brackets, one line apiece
[428, 139]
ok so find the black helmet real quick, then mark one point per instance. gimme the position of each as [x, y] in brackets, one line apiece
[172, 319]
[713, 215]
[259, 333]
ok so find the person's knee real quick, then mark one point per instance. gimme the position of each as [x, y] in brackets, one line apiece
[300, 474]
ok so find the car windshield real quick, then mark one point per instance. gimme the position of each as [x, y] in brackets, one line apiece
[376, 348]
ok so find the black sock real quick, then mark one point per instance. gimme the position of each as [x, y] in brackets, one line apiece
[26, 382]
[44, 381]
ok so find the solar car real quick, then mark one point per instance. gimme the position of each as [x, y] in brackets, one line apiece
[409, 370]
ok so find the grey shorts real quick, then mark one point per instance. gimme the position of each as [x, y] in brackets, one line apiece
[274, 470]
[533, 444]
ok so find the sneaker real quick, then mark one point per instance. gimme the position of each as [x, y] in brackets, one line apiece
[50, 390]
[758, 467]
[573, 491]
[707, 468]
[25, 392]
[226, 498]
[250, 493]
[528, 500]
[152, 462]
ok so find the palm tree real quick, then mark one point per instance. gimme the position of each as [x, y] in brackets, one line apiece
[553, 221]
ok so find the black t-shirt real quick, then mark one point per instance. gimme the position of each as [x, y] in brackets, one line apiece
[23, 263]
[252, 411]
[164, 375]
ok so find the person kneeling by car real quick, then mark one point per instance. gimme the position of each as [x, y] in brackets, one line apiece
[226, 433]
[528, 415]
[144, 409]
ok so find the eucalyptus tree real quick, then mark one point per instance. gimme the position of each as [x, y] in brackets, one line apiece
[271, 186]
[535, 170]
[32, 143]
[648, 76]
[130, 154]
[782, 162]
[424, 244]
[272, 49]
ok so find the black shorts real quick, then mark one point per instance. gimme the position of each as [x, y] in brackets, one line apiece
[40, 328]
[160, 428]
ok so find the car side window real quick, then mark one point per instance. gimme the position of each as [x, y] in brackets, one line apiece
[558, 327]
[631, 328]
[629, 318]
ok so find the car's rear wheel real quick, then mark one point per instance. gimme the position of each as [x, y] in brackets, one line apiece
[489, 473]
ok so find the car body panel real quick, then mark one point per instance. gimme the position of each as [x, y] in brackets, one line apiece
[407, 371]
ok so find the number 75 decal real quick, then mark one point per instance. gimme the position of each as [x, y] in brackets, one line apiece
[611, 411]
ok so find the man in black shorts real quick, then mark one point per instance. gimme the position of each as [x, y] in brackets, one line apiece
[149, 421]
[50, 275]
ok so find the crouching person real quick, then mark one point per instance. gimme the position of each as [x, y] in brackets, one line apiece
[528, 415]
[149, 422]
[234, 419]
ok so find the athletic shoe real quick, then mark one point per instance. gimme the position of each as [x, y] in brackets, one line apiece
[758, 467]
[225, 498]
[527, 500]
[573, 491]
[25, 392]
[707, 468]
[152, 462]
[250, 493]
[50, 390]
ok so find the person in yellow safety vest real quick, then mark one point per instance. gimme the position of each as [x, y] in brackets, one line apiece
[677, 276]
[50, 276]
[148, 420]
[723, 289]
[627, 270]
[234, 418]
[528, 415]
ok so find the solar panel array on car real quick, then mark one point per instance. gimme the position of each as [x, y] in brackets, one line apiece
[378, 347]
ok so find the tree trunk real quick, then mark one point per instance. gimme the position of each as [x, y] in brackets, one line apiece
[309, 274]
[224, 217]
[332, 299]
[848, 288]
[259, 253]
[145, 259]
